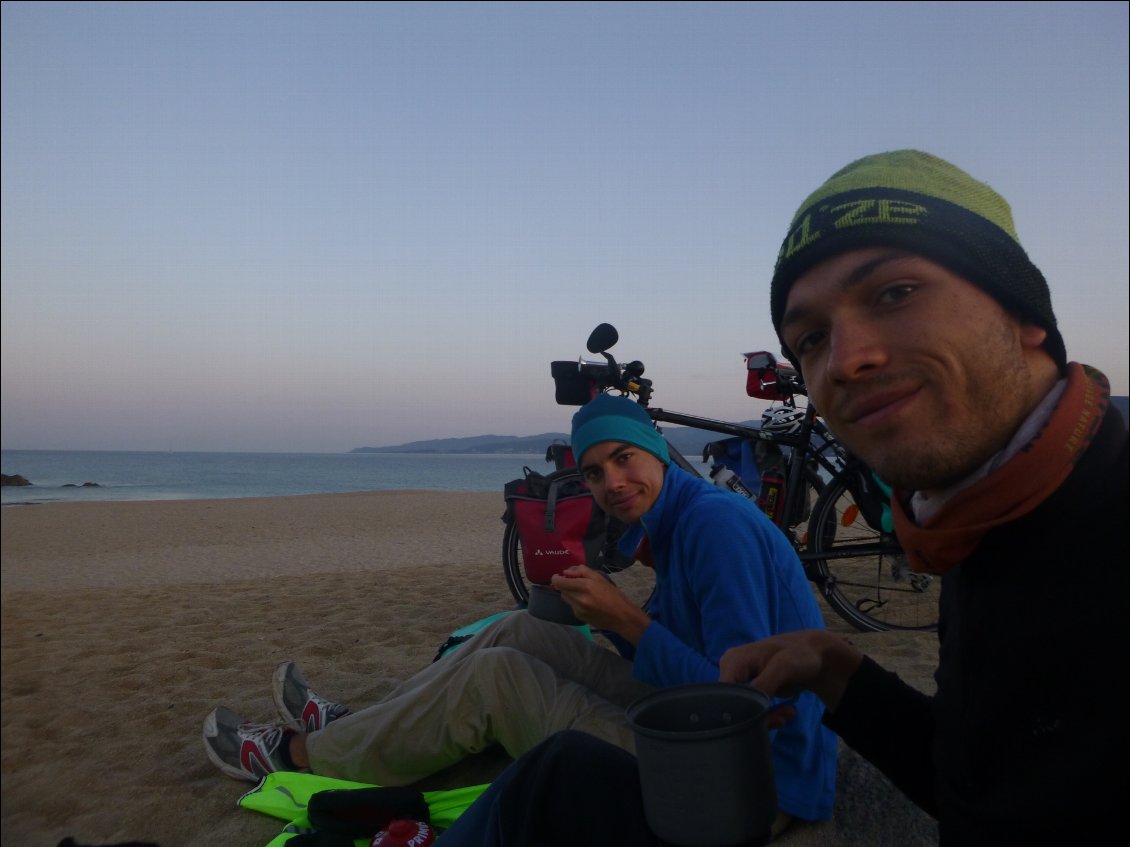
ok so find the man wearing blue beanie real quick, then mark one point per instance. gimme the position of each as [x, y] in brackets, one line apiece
[610, 418]
[724, 574]
[711, 548]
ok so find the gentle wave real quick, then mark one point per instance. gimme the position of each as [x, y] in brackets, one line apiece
[191, 476]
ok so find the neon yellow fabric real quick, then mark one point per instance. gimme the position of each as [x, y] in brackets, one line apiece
[286, 794]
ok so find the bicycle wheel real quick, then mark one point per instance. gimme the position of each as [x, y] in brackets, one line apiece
[862, 573]
[512, 566]
[635, 580]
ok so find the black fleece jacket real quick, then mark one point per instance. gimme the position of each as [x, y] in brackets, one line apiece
[1025, 741]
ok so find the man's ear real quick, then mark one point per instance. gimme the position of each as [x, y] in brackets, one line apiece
[1031, 335]
[1032, 339]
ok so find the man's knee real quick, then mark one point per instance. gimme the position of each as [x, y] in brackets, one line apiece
[508, 666]
[519, 629]
[506, 630]
[571, 758]
[572, 748]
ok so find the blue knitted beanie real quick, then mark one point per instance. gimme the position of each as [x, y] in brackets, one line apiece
[608, 417]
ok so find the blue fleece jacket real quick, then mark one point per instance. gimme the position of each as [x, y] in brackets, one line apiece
[725, 575]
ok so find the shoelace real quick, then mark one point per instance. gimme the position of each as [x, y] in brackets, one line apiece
[319, 712]
[265, 736]
[257, 752]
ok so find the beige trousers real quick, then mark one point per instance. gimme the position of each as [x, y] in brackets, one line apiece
[515, 683]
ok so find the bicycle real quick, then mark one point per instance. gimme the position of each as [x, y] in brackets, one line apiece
[834, 511]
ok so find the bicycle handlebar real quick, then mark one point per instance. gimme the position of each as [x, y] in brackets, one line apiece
[580, 381]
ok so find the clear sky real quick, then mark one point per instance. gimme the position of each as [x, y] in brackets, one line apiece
[313, 227]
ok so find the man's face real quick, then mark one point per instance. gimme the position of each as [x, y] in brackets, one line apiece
[916, 370]
[625, 480]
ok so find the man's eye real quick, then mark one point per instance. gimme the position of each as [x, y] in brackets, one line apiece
[807, 342]
[896, 293]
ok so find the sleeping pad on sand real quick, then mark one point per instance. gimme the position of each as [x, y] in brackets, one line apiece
[286, 795]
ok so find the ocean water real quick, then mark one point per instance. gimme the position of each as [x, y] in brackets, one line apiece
[191, 476]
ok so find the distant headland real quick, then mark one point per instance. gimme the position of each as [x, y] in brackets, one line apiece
[475, 444]
[687, 440]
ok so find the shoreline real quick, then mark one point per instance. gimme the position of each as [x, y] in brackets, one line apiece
[125, 622]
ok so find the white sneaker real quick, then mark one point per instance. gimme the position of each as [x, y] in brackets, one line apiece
[243, 750]
[299, 706]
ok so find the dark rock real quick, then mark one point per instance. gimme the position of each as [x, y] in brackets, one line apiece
[15, 479]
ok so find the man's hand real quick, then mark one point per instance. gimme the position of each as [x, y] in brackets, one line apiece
[596, 601]
[784, 665]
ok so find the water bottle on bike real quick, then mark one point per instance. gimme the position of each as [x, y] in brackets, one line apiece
[772, 496]
[726, 478]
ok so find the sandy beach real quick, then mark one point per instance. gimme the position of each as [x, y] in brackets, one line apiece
[125, 623]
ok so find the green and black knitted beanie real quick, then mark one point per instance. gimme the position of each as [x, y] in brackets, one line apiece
[920, 203]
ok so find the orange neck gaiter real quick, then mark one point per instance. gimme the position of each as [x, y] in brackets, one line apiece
[1014, 489]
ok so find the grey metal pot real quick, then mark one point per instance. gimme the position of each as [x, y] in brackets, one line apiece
[706, 767]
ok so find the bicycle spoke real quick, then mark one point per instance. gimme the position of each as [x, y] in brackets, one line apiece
[866, 578]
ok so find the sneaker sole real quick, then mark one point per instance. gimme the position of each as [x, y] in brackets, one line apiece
[211, 730]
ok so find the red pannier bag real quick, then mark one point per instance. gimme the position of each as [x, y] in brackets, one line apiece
[559, 524]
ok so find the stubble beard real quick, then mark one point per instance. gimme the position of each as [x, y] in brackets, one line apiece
[998, 400]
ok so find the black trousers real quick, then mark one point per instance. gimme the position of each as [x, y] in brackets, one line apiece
[571, 789]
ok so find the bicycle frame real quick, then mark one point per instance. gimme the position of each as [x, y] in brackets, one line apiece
[805, 458]
[801, 443]
[804, 454]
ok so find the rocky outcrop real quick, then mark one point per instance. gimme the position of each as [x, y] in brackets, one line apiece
[16, 479]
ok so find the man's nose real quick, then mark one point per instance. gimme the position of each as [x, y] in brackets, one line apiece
[613, 477]
[856, 349]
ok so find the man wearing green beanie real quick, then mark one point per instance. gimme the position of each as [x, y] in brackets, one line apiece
[928, 342]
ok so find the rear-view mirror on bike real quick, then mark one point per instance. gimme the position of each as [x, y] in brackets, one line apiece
[760, 360]
[604, 337]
